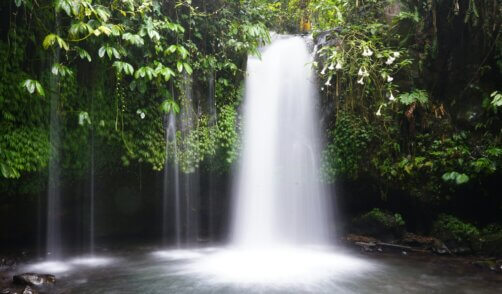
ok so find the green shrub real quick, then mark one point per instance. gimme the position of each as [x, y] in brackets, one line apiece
[387, 219]
[448, 227]
[345, 154]
[379, 223]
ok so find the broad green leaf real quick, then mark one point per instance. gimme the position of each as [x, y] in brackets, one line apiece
[116, 53]
[62, 44]
[169, 105]
[170, 49]
[188, 68]
[59, 69]
[183, 52]
[128, 69]
[32, 85]
[134, 39]
[461, 179]
[105, 30]
[102, 13]
[64, 5]
[102, 51]
[40, 89]
[83, 54]
[49, 40]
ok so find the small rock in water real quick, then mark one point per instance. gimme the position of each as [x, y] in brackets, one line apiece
[32, 279]
[367, 247]
[29, 290]
[491, 265]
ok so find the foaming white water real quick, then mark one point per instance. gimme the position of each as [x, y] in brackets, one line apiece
[92, 261]
[178, 254]
[50, 267]
[278, 267]
[60, 266]
[278, 197]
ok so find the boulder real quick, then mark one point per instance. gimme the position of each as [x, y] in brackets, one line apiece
[35, 280]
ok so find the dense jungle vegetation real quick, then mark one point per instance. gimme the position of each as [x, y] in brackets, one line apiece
[410, 95]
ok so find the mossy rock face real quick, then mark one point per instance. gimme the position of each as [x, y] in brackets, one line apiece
[380, 224]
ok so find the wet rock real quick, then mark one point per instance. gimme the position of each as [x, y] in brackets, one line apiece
[499, 266]
[13, 291]
[461, 250]
[29, 290]
[492, 265]
[327, 38]
[36, 280]
[441, 249]
[366, 247]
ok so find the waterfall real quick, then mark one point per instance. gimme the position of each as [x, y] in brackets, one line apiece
[280, 230]
[171, 176]
[278, 197]
[190, 178]
[211, 106]
[92, 191]
[53, 239]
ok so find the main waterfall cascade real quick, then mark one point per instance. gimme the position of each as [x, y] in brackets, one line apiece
[279, 199]
[281, 233]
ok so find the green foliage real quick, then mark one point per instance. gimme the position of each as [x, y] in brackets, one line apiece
[417, 96]
[496, 99]
[23, 150]
[448, 227]
[456, 177]
[170, 105]
[360, 62]
[343, 156]
[387, 219]
[380, 224]
[33, 86]
[154, 48]
[227, 136]
[376, 66]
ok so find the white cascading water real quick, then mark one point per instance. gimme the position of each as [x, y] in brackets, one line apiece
[278, 197]
[281, 216]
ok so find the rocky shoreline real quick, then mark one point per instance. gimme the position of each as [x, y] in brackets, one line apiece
[425, 246]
